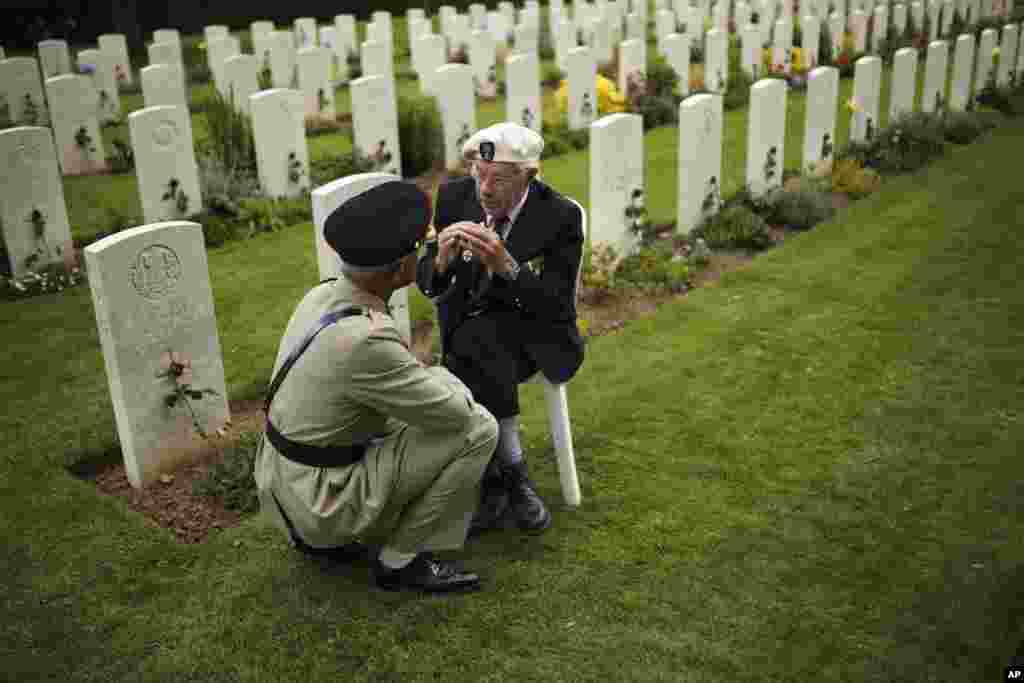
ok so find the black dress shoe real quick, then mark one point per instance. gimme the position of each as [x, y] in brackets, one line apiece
[427, 574]
[526, 507]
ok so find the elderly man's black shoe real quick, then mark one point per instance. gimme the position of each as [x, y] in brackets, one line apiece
[426, 574]
[494, 501]
[526, 507]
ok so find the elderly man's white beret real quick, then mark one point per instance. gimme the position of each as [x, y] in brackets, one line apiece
[505, 141]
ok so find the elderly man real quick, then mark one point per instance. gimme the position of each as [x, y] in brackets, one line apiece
[364, 445]
[501, 320]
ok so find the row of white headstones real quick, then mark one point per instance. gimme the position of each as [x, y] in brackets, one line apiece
[168, 176]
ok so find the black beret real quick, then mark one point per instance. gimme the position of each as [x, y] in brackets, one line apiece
[379, 226]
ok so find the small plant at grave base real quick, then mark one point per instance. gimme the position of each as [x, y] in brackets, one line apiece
[29, 112]
[654, 267]
[47, 279]
[734, 227]
[911, 141]
[123, 160]
[295, 170]
[177, 368]
[963, 127]
[599, 266]
[420, 134]
[230, 479]
[738, 96]
[355, 68]
[850, 177]
[801, 208]
[175, 194]
[84, 142]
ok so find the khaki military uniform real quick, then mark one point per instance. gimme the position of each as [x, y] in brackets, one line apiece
[417, 486]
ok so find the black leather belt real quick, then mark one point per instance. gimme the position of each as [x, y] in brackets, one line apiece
[314, 456]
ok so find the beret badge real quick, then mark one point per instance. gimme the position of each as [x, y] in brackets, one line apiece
[487, 150]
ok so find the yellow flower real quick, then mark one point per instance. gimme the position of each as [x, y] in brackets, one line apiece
[854, 105]
[798, 59]
[202, 45]
[609, 99]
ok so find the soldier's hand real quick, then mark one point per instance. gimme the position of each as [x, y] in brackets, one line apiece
[450, 244]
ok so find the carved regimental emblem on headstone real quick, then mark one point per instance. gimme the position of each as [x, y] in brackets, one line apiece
[155, 271]
[165, 134]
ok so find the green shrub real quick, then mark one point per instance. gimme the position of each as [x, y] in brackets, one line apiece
[194, 58]
[230, 139]
[420, 134]
[734, 227]
[123, 159]
[850, 177]
[737, 96]
[656, 102]
[908, 143]
[801, 208]
[326, 169]
[961, 127]
[654, 267]
[230, 479]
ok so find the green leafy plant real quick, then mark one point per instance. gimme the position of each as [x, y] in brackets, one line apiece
[912, 140]
[961, 127]
[123, 159]
[655, 267]
[355, 68]
[47, 279]
[420, 134]
[551, 75]
[734, 227]
[326, 169]
[801, 208]
[230, 138]
[230, 480]
[177, 368]
[653, 95]
[265, 77]
[600, 262]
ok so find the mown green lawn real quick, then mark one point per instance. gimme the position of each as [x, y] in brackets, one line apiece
[808, 472]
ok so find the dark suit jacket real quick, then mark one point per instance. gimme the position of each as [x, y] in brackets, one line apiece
[548, 226]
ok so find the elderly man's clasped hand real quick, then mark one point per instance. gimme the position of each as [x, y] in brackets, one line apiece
[483, 242]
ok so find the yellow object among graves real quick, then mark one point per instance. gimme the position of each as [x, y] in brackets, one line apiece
[609, 99]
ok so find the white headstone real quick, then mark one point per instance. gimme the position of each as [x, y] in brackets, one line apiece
[522, 73]
[880, 27]
[154, 305]
[115, 46]
[165, 163]
[167, 35]
[432, 57]
[810, 37]
[867, 82]
[305, 32]
[525, 39]
[934, 7]
[766, 135]
[163, 84]
[742, 15]
[54, 58]
[103, 79]
[477, 17]
[963, 60]
[582, 97]
[632, 66]
[339, 58]
[565, 40]
[635, 27]
[700, 160]
[241, 80]
[217, 51]
[820, 135]
[600, 39]
[260, 28]
[677, 54]
[948, 8]
[375, 122]
[1007, 55]
[782, 49]
[935, 75]
[917, 15]
[983, 70]
[76, 128]
[314, 65]
[282, 156]
[616, 179]
[345, 24]
[835, 28]
[665, 24]
[23, 89]
[904, 82]
[859, 28]
[282, 60]
[716, 61]
[1019, 69]
[458, 109]
[498, 27]
[32, 183]
[375, 60]
[382, 22]
[750, 56]
[215, 32]
[167, 53]
[899, 19]
[482, 61]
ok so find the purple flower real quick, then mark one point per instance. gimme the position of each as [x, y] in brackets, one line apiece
[87, 68]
